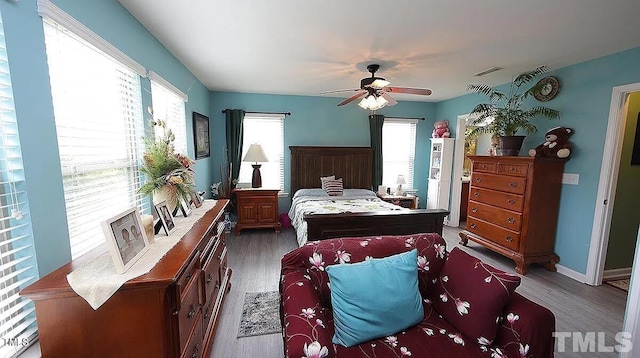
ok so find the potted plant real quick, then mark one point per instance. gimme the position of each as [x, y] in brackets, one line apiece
[506, 109]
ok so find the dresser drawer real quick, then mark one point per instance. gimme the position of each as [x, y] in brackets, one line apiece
[499, 216]
[223, 263]
[189, 311]
[509, 184]
[191, 273]
[193, 348]
[513, 169]
[499, 235]
[210, 274]
[485, 167]
[497, 198]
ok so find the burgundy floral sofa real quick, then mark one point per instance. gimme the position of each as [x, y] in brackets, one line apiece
[522, 327]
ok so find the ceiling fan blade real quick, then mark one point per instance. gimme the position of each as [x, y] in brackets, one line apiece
[339, 91]
[392, 102]
[353, 98]
[420, 91]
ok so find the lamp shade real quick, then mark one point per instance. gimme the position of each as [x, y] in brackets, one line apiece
[401, 179]
[255, 154]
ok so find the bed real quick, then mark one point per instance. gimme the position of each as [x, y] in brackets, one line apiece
[344, 218]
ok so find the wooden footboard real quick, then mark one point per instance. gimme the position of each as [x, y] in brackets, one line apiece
[328, 226]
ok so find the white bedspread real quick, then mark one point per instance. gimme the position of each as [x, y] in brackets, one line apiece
[302, 205]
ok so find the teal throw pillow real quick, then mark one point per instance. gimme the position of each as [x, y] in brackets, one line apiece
[375, 298]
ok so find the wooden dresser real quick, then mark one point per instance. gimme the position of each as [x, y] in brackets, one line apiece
[513, 207]
[171, 311]
[257, 208]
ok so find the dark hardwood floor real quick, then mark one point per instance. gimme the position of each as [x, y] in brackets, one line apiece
[255, 256]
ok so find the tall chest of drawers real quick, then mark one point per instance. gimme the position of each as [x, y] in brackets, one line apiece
[513, 208]
[172, 311]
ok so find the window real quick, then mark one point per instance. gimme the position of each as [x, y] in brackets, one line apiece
[17, 261]
[98, 114]
[398, 150]
[168, 105]
[268, 131]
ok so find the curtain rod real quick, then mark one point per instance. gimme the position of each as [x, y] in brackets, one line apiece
[418, 118]
[285, 113]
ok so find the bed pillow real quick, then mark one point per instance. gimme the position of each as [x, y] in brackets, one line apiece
[359, 192]
[471, 295]
[324, 180]
[310, 193]
[374, 298]
[334, 187]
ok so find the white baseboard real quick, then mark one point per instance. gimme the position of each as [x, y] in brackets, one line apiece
[617, 274]
[580, 277]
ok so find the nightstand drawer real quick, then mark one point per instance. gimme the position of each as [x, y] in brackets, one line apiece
[509, 184]
[505, 218]
[497, 198]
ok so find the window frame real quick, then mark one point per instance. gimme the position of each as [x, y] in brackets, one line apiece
[410, 177]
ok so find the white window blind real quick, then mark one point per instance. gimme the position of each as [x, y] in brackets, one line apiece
[398, 150]
[17, 259]
[98, 114]
[168, 105]
[268, 131]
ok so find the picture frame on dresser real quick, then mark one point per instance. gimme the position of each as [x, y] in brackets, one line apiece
[126, 239]
[165, 216]
[185, 207]
[196, 199]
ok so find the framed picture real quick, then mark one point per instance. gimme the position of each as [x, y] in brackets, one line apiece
[185, 207]
[165, 217]
[126, 239]
[196, 199]
[201, 135]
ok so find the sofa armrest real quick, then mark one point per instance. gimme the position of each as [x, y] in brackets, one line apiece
[305, 322]
[526, 330]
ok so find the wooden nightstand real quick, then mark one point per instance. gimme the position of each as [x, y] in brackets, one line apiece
[408, 201]
[257, 208]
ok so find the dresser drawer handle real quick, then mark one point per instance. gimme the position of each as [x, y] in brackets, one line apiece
[192, 311]
[511, 201]
[476, 194]
[473, 226]
[509, 239]
[195, 352]
[478, 180]
[513, 185]
[207, 314]
[512, 169]
[186, 279]
[474, 210]
[209, 279]
[511, 220]
[217, 285]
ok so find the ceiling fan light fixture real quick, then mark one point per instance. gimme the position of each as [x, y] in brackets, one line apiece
[373, 102]
[379, 83]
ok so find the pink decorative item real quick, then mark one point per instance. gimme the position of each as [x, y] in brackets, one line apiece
[441, 129]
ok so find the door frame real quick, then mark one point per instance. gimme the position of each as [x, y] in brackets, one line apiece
[609, 169]
[456, 177]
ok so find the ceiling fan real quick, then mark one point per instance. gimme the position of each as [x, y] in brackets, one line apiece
[376, 91]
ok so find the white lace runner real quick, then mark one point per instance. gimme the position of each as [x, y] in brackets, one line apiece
[98, 280]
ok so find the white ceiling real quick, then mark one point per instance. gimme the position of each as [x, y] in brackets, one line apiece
[307, 47]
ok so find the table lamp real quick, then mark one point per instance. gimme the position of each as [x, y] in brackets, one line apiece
[400, 181]
[255, 154]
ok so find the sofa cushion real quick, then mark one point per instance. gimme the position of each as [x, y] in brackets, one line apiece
[374, 298]
[471, 295]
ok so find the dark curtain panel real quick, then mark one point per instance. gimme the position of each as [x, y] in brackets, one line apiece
[234, 129]
[375, 130]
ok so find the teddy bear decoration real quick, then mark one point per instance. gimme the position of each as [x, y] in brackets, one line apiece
[556, 144]
[441, 129]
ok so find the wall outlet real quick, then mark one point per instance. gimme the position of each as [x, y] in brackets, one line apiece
[568, 178]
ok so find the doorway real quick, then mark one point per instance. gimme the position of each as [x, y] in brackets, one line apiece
[609, 172]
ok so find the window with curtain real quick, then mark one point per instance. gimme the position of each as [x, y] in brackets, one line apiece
[168, 105]
[398, 151]
[268, 131]
[98, 114]
[17, 255]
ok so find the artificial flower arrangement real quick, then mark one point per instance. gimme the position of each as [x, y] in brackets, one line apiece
[165, 169]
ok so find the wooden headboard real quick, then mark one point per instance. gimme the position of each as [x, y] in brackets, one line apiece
[353, 164]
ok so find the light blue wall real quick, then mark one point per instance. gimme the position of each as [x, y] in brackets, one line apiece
[584, 101]
[29, 72]
[319, 121]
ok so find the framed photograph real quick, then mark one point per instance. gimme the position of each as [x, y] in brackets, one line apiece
[126, 239]
[185, 207]
[196, 199]
[165, 217]
[201, 135]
